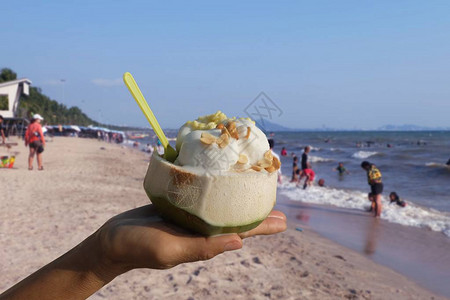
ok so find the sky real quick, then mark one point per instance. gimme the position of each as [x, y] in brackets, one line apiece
[337, 64]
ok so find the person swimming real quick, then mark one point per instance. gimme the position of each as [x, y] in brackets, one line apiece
[393, 197]
[341, 169]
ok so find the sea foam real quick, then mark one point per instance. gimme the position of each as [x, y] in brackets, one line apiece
[363, 154]
[411, 215]
[316, 159]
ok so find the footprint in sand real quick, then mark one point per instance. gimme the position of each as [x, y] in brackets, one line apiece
[256, 260]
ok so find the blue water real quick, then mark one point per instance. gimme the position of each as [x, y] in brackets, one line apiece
[414, 165]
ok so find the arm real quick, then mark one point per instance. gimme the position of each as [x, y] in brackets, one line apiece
[41, 134]
[135, 239]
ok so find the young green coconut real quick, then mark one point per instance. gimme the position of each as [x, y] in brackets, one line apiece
[224, 179]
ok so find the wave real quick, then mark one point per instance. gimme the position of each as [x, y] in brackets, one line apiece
[437, 169]
[437, 165]
[364, 154]
[411, 215]
[316, 159]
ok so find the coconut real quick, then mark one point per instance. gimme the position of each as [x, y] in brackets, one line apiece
[210, 202]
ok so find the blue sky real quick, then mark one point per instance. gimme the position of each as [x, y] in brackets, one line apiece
[340, 64]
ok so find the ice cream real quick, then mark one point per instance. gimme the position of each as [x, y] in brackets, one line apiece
[223, 180]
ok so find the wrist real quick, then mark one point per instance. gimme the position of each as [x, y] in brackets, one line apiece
[102, 269]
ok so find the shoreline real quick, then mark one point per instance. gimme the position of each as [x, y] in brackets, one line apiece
[416, 253]
[85, 182]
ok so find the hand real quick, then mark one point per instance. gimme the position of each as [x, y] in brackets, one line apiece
[139, 238]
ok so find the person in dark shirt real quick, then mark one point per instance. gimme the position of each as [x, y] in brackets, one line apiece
[305, 158]
[295, 168]
[2, 132]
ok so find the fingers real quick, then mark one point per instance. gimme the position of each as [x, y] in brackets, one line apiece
[274, 223]
[204, 248]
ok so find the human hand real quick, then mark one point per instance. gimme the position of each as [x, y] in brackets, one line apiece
[139, 238]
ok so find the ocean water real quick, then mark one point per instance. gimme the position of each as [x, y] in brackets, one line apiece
[413, 166]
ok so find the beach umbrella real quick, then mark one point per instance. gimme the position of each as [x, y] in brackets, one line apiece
[75, 127]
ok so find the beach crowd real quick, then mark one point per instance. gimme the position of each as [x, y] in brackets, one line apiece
[303, 172]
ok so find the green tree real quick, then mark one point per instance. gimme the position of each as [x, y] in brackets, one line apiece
[7, 75]
[53, 112]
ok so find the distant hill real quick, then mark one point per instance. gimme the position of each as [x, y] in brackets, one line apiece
[268, 126]
[410, 127]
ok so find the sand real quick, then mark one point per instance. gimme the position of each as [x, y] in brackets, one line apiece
[85, 182]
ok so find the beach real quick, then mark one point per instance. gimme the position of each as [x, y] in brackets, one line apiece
[85, 182]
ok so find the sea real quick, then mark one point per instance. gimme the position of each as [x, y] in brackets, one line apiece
[413, 164]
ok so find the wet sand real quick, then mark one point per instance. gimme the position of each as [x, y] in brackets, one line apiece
[420, 254]
[85, 182]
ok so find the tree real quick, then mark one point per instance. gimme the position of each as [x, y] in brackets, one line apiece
[7, 75]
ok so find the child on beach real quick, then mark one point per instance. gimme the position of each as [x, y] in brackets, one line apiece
[305, 158]
[376, 187]
[393, 197]
[309, 175]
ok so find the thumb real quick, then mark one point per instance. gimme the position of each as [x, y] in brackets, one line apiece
[204, 248]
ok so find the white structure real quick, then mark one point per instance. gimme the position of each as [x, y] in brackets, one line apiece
[12, 90]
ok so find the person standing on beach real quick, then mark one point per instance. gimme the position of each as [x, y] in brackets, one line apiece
[159, 147]
[271, 145]
[295, 168]
[34, 137]
[309, 176]
[376, 186]
[2, 132]
[305, 158]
